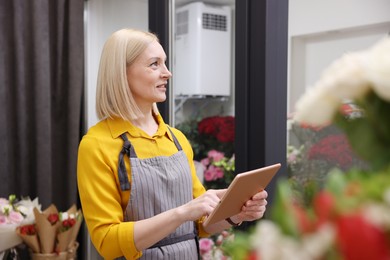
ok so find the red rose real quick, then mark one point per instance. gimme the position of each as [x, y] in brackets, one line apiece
[29, 230]
[323, 207]
[68, 223]
[53, 218]
[359, 239]
[207, 126]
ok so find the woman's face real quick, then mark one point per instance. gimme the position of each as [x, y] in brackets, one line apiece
[148, 76]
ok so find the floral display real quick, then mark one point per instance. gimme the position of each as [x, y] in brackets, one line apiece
[218, 170]
[314, 151]
[212, 248]
[210, 133]
[349, 217]
[53, 233]
[14, 212]
[212, 139]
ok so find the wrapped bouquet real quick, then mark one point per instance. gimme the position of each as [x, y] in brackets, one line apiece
[53, 234]
[14, 213]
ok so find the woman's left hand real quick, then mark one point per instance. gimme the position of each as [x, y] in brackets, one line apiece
[254, 208]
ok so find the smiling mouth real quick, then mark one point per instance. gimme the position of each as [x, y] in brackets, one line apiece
[162, 86]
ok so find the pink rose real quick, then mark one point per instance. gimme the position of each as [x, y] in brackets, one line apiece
[215, 155]
[209, 175]
[3, 220]
[15, 217]
[205, 245]
[213, 173]
[219, 173]
[205, 161]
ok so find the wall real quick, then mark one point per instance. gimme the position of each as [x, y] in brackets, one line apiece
[102, 18]
[321, 31]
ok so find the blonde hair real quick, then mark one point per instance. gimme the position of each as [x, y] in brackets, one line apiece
[113, 95]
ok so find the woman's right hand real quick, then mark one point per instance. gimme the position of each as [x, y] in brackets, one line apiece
[202, 205]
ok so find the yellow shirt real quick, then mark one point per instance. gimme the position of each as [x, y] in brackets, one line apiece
[102, 200]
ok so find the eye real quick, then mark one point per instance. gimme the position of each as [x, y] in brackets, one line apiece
[154, 64]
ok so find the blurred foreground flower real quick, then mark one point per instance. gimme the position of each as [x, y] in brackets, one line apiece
[348, 218]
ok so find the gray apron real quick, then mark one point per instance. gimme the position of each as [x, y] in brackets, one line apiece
[159, 184]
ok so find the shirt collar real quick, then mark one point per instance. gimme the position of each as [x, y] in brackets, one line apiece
[119, 126]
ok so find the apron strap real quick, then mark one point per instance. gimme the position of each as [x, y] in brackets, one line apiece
[127, 149]
[178, 146]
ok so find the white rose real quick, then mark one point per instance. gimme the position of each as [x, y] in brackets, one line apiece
[316, 107]
[378, 68]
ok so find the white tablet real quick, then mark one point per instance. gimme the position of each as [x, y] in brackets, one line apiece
[240, 190]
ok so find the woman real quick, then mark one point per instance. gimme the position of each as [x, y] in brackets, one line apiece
[137, 182]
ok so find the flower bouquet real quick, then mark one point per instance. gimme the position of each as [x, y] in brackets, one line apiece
[212, 248]
[210, 133]
[349, 218]
[53, 235]
[218, 170]
[14, 213]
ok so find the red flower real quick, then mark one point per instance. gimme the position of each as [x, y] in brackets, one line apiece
[29, 230]
[253, 256]
[68, 223]
[323, 207]
[333, 148]
[220, 127]
[305, 225]
[53, 218]
[208, 126]
[359, 239]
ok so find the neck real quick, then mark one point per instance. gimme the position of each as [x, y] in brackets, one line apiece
[148, 124]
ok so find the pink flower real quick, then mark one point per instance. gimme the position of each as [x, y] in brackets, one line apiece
[205, 245]
[213, 173]
[15, 217]
[209, 175]
[215, 155]
[205, 161]
[3, 202]
[3, 220]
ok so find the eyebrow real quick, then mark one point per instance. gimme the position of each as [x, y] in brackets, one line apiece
[157, 58]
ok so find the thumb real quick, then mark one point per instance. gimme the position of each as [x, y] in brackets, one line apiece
[221, 192]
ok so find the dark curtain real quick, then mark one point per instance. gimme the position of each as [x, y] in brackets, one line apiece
[41, 96]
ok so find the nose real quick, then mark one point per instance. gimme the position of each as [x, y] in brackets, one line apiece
[166, 73]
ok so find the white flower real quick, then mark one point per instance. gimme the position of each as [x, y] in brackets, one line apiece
[378, 68]
[378, 214]
[317, 244]
[349, 78]
[26, 207]
[316, 107]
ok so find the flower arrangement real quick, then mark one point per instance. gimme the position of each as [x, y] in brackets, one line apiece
[210, 133]
[53, 234]
[212, 139]
[218, 170]
[14, 212]
[349, 217]
[314, 151]
[212, 248]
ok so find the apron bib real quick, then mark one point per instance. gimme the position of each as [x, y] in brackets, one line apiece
[159, 184]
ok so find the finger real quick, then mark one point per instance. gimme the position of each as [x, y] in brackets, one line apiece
[255, 203]
[220, 192]
[260, 195]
